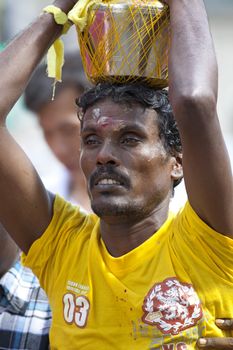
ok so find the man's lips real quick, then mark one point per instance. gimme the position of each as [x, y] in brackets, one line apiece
[104, 179]
[107, 181]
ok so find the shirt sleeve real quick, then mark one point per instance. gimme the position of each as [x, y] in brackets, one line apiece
[213, 249]
[47, 252]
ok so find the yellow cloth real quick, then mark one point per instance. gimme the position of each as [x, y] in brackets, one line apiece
[60, 17]
[78, 15]
[102, 302]
[55, 56]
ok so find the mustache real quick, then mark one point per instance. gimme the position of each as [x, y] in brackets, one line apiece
[108, 171]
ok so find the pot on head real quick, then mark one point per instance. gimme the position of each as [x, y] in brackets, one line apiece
[126, 42]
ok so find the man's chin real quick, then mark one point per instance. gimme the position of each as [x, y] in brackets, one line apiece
[104, 209]
[116, 208]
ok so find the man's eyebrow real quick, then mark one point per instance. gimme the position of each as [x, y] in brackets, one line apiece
[132, 127]
[88, 129]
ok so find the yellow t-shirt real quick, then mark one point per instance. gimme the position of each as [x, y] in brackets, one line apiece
[164, 294]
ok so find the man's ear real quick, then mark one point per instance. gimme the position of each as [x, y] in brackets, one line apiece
[177, 168]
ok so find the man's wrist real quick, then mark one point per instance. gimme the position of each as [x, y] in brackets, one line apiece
[49, 25]
[65, 6]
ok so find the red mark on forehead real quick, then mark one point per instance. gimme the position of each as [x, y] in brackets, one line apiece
[102, 121]
[105, 121]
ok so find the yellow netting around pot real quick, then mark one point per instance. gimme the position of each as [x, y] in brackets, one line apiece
[124, 42]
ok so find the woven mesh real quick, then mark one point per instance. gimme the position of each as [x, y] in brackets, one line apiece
[126, 42]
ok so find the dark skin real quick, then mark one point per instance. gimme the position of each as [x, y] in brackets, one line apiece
[9, 251]
[219, 343]
[35, 41]
[193, 95]
[204, 343]
[124, 146]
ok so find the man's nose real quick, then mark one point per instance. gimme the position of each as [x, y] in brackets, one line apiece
[107, 154]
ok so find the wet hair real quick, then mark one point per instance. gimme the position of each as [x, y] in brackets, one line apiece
[40, 88]
[147, 97]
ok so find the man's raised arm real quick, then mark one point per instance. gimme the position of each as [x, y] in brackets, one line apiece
[25, 207]
[193, 85]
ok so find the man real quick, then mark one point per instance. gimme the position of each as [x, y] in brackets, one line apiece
[134, 277]
[25, 315]
[60, 126]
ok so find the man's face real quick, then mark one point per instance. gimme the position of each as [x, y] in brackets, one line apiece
[126, 166]
[61, 127]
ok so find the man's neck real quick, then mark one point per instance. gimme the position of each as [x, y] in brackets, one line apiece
[124, 235]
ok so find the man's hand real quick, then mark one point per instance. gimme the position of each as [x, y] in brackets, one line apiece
[218, 343]
[65, 5]
[225, 324]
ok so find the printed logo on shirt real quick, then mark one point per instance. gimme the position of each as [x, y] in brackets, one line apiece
[75, 309]
[77, 287]
[76, 304]
[172, 306]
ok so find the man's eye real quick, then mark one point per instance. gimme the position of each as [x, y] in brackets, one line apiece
[91, 140]
[130, 140]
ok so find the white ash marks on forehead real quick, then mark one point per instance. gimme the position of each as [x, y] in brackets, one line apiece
[100, 119]
[106, 120]
[96, 113]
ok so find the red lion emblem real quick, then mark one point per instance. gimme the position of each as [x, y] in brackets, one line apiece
[172, 306]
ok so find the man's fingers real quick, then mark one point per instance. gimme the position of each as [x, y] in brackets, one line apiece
[218, 343]
[225, 323]
[215, 343]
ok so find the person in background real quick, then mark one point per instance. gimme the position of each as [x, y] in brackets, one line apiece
[25, 315]
[61, 128]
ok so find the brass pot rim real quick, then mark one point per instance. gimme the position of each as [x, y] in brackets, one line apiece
[125, 5]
